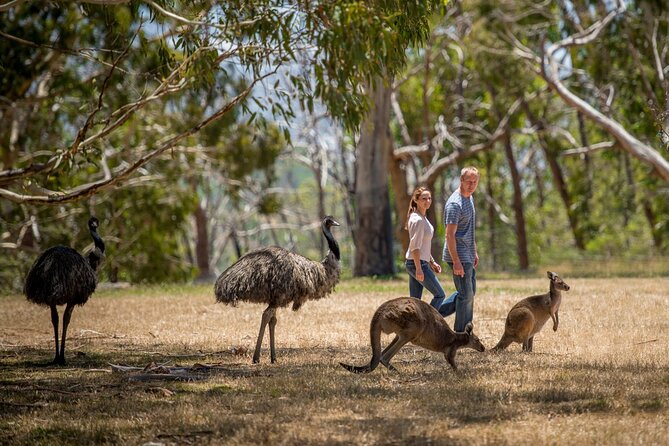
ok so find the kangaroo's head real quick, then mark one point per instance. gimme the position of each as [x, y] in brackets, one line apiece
[557, 282]
[473, 341]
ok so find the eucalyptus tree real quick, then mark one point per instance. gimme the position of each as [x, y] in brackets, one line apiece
[607, 61]
[445, 115]
[84, 83]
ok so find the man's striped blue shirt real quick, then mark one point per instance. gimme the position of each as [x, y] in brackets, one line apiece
[460, 211]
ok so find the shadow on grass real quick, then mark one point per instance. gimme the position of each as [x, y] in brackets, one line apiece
[30, 357]
[308, 381]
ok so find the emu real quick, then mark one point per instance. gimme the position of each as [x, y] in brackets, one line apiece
[278, 277]
[415, 321]
[528, 316]
[62, 276]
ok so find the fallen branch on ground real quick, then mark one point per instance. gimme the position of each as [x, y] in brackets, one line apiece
[196, 372]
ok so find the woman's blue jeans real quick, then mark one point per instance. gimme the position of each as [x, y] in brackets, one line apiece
[431, 282]
[462, 301]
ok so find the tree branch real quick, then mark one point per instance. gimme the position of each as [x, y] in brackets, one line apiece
[591, 148]
[589, 34]
[434, 170]
[104, 184]
[548, 69]
[656, 55]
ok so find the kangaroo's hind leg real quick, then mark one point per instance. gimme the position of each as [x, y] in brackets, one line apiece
[527, 345]
[385, 361]
[392, 349]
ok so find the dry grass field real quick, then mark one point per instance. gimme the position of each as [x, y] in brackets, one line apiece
[602, 378]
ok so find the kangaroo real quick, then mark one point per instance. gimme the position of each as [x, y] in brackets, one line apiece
[415, 321]
[528, 316]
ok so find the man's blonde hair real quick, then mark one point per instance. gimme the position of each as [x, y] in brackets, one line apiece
[469, 169]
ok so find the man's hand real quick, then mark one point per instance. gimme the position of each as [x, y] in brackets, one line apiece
[476, 260]
[458, 270]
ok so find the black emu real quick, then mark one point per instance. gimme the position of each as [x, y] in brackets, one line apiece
[278, 277]
[62, 276]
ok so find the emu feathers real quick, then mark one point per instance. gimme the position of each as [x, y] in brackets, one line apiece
[60, 276]
[278, 277]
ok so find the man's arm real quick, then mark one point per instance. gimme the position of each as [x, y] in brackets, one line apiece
[458, 270]
[476, 255]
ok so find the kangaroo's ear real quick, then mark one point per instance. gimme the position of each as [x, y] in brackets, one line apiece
[551, 275]
[469, 328]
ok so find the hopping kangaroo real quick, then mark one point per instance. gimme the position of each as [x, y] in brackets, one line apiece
[530, 314]
[415, 321]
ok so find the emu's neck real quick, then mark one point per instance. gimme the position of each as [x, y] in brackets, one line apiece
[332, 243]
[95, 257]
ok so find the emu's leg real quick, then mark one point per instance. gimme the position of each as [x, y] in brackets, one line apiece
[266, 316]
[54, 322]
[272, 324]
[67, 314]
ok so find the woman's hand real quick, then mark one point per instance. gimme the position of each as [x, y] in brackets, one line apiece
[435, 267]
[420, 275]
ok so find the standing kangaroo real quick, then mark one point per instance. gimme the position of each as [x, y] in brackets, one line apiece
[415, 321]
[528, 316]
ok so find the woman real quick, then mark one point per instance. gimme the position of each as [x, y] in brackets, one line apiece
[419, 262]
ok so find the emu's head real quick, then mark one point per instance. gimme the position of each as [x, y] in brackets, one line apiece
[93, 223]
[557, 282]
[329, 222]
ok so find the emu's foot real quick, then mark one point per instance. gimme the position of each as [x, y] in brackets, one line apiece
[54, 362]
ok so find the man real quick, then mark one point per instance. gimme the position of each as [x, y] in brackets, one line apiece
[460, 249]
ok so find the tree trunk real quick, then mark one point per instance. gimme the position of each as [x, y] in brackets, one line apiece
[626, 140]
[652, 222]
[492, 236]
[202, 256]
[402, 197]
[521, 234]
[558, 178]
[373, 233]
[433, 216]
[561, 186]
[587, 165]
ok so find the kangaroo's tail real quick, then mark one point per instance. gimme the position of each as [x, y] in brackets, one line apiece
[375, 338]
[356, 369]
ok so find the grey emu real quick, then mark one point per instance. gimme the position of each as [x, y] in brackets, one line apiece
[62, 276]
[278, 277]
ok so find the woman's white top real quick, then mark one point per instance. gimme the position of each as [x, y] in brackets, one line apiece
[420, 236]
